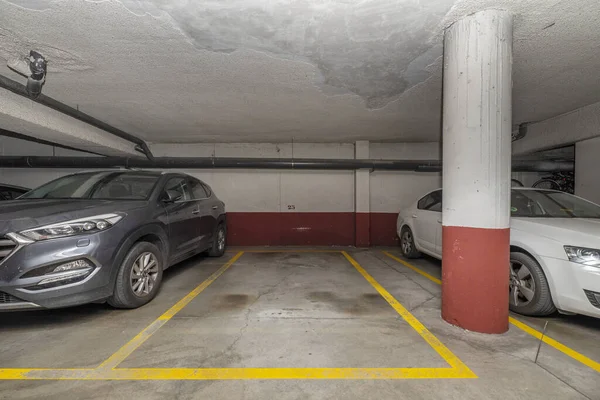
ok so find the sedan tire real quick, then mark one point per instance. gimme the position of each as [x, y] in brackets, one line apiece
[407, 244]
[139, 277]
[529, 293]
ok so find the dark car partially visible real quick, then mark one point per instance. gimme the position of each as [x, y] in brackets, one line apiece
[103, 236]
[10, 192]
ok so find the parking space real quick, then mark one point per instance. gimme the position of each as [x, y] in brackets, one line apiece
[256, 323]
[568, 348]
[83, 337]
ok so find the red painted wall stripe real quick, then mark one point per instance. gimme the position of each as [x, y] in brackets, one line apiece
[314, 229]
[290, 229]
[475, 261]
[362, 230]
[383, 229]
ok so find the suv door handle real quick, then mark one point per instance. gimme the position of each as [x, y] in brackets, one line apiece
[215, 207]
[440, 221]
[196, 211]
[414, 215]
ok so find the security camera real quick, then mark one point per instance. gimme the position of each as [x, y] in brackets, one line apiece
[34, 69]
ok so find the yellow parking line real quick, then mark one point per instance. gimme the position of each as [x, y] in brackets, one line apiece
[442, 350]
[557, 345]
[124, 352]
[108, 371]
[524, 327]
[291, 251]
[151, 374]
[282, 373]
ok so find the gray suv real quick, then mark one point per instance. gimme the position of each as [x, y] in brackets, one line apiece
[103, 236]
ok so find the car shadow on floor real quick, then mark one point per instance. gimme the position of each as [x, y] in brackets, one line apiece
[581, 321]
[13, 320]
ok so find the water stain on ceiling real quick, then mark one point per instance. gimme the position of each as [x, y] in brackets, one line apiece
[375, 49]
[277, 70]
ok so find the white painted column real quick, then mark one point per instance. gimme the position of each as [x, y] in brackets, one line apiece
[586, 169]
[476, 171]
[362, 196]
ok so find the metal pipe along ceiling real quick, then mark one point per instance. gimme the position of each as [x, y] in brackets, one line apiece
[56, 105]
[257, 163]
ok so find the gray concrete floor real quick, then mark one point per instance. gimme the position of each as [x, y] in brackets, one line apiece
[309, 310]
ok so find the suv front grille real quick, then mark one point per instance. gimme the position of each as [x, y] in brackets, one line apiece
[7, 246]
[7, 298]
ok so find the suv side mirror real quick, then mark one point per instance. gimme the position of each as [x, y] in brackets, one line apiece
[170, 196]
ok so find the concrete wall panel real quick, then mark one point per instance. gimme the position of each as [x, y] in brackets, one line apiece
[271, 207]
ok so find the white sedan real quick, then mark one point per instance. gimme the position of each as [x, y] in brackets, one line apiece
[554, 248]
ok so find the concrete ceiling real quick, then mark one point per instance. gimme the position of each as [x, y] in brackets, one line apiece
[273, 70]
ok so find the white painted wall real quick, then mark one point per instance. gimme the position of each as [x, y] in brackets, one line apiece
[392, 191]
[29, 177]
[272, 190]
[587, 184]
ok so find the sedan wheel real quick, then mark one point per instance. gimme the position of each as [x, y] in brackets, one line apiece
[407, 244]
[529, 293]
[522, 285]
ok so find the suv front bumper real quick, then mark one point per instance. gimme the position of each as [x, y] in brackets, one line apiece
[27, 279]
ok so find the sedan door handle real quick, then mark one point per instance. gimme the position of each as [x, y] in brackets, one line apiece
[414, 215]
[215, 207]
[196, 211]
[439, 221]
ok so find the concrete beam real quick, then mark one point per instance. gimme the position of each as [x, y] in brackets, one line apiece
[563, 130]
[25, 116]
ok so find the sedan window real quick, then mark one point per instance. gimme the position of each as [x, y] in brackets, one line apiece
[431, 202]
[551, 204]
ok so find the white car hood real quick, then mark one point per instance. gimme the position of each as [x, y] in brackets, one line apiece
[583, 232]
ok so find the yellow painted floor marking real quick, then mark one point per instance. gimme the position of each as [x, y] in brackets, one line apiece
[291, 251]
[124, 352]
[151, 374]
[442, 350]
[108, 371]
[524, 327]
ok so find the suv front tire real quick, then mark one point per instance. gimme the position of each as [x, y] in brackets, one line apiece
[139, 277]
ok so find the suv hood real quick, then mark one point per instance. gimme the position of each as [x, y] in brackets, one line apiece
[583, 232]
[18, 215]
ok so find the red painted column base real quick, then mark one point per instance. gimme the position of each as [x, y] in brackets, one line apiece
[475, 273]
[362, 230]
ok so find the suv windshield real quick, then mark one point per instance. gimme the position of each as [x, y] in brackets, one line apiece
[550, 204]
[112, 185]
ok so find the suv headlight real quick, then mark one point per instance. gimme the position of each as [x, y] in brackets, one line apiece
[75, 227]
[583, 255]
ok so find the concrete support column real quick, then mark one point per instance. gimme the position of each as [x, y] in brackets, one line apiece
[476, 171]
[586, 169]
[362, 194]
